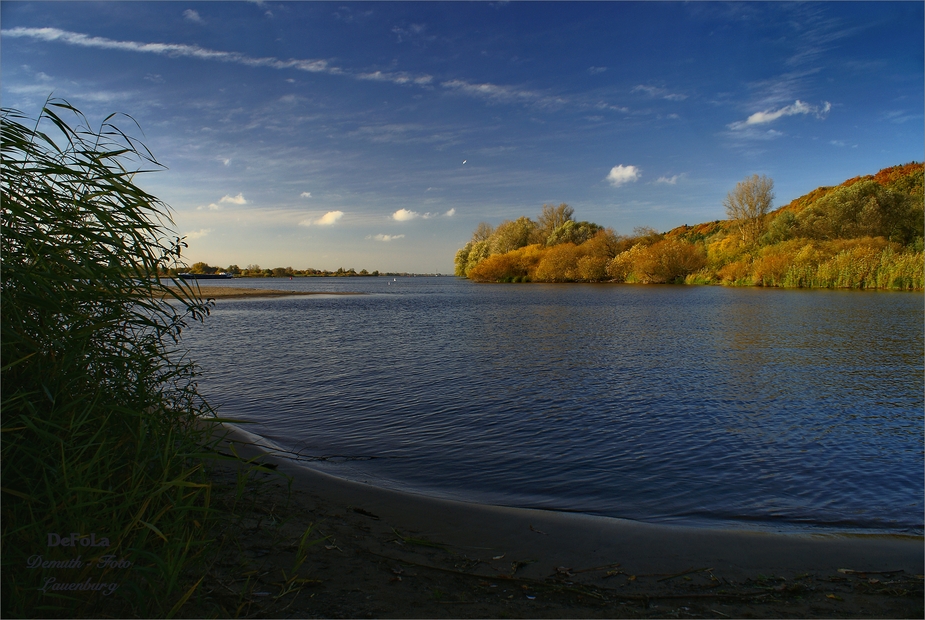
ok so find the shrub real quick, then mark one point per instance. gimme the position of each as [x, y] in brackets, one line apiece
[497, 268]
[559, 264]
[736, 272]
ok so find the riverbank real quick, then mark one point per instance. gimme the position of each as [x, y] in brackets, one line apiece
[311, 545]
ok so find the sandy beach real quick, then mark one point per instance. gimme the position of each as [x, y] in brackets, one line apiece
[373, 552]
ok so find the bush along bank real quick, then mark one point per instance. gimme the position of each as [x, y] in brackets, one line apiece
[866, 233]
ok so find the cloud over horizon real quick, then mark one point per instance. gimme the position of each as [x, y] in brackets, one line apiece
[328, 219]
[385, 238]
[620, 175]
[198, 234]
[404, 215]
[235, 200]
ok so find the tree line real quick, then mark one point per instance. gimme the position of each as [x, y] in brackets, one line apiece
[256, 271]
[865, 233]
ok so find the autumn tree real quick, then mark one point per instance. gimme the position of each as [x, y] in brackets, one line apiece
[550, 219]
[482, 232]
[748, 204]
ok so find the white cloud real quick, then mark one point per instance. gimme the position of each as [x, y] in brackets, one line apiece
[169, 49]
[403, 215]
[385, 238]
[654, 91]
[305, 195]
[236, 200]
[451, 212]
[328, 219]
[502, 93]
[623, 174]
[202, 232]
[211, 207]
[192, 16]
[594, 70]
[672, 180]
[396, 78]
[769, 116]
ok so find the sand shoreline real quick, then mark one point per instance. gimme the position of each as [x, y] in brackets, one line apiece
[655, 547]
[233, 292]
[378, 536]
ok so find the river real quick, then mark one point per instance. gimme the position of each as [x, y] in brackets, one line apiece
[784, 410]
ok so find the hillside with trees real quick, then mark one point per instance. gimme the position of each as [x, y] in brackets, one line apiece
[866, 233]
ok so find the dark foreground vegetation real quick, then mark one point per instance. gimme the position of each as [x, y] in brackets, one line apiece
[105, 499]
[866, 233]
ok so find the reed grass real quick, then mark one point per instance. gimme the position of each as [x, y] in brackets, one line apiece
[103, 430]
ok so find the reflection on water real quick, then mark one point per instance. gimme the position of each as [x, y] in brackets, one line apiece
[683, 404]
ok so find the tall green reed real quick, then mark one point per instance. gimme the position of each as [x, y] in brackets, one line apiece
[103, 430]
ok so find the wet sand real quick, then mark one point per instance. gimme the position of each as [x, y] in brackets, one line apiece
[387, 553]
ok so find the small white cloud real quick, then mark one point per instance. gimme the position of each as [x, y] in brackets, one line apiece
[649, 90]
[226, 162]
[192, 16]
[595, 70]
[672, 180]
[202, 232]
[653, 91]
[328, 219]
[623, 174]
[769, 116]
[305, 195]
[236, 200]
[403, 215]
[211, 207]
[385, 238]
[451, 212]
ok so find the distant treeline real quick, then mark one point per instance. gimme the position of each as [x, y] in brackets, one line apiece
[865, 233]
[256, 271]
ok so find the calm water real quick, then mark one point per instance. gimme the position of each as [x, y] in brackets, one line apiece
[694, 405]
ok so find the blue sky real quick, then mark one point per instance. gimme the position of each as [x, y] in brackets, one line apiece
[326, 135]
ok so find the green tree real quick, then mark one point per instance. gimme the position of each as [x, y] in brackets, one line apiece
[573, 232]
[865, 208]
[202, 268]
[748, 204]
[462, 260]
[512, 235]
